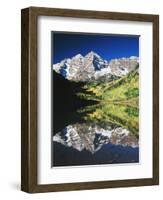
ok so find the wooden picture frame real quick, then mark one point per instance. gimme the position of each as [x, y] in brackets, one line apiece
[29, 112]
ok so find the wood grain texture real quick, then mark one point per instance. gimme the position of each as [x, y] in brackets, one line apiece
[29, 133]
[29, 101]
[156, 99]
[24, 100]
[91, 14]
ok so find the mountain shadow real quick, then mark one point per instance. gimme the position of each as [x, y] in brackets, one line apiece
[66, 102]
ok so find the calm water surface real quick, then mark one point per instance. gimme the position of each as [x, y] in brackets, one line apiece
[87, 140]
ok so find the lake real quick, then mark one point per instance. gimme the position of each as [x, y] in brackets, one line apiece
[88, 132]
[91, 142]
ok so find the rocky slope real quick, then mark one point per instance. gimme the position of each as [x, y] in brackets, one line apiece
[92, 67]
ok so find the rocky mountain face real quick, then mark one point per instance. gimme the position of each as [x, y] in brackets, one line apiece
[92, 67]
[92, 137]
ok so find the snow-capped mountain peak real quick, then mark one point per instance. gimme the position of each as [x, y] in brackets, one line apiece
[93, 67]
[92, 54]
[78, 56]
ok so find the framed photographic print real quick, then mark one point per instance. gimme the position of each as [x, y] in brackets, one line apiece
[90, 99]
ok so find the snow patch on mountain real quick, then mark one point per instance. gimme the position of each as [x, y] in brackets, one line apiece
[92, 67]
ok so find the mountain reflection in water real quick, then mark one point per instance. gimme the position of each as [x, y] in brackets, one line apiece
[91, 137]
[104, 137]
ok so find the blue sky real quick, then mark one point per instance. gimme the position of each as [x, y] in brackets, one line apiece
[66, 45]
